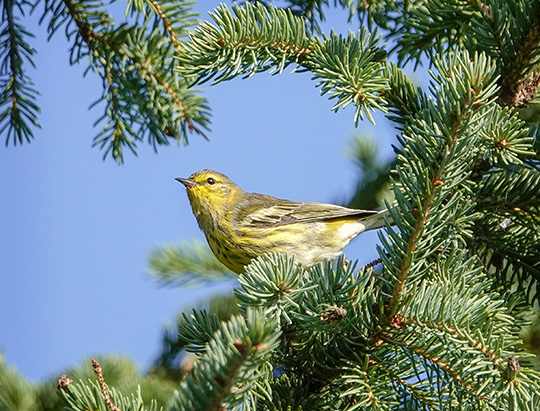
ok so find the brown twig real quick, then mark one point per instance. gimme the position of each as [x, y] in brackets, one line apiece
[168, 27]
[371, 264]
[103, 386]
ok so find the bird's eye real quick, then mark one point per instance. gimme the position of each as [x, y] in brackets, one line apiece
[210, 181]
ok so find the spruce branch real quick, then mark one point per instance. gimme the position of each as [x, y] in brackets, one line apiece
[167, 25]
[197, 329]
[508, 248]
[98, 395]
[453, 334]
[233, 371]
[506, 234]
[291, 393]
[187, 335]
[507, 32]
[431, 28]
[317, 309]
[142, 96]
[405, 99]
[252, 39]
[450, 129]
[274, 284]
[17, 95]
[187, 264]
[351, 70]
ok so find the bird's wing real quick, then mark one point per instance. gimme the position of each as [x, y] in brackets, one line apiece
[292, 212]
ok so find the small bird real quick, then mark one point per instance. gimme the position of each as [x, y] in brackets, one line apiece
[241, 226]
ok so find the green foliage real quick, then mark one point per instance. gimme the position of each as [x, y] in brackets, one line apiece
[373, 185]
[454, 336]
[18, 109]
[125, 381]
[197, 330]
[234, 370]
[431, 183]
[186, 264]
[143, 98]
[82, 397]
[15, 393]
[84, 393]
[173, 362]
[440, 325]
[272, 289]
[251, 39]
[351, 70]
[290, 394]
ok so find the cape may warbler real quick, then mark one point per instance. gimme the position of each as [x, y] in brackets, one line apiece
[240, 226]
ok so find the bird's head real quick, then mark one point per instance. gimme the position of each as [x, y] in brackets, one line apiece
[209, 191]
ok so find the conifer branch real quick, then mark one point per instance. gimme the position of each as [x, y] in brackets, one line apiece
[15, 69]
[91, 36]
[187, 264]
[17, 96]
[234, 363]
[86, 31]
[458, 335]
[518, 84]
[408, 387]
[136, 66]
[431, 191]
[252, 39]
[454, 374]
[93, 39]
[439, 327]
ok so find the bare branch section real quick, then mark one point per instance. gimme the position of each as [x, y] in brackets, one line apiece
[168, 26]
[103, 386]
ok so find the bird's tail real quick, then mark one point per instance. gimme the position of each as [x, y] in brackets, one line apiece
[377, 220]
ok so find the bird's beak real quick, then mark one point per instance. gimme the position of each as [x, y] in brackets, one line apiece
[186, 182]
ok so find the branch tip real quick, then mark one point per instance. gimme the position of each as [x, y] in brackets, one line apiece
[103, 385]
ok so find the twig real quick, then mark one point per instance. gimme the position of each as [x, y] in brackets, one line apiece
[168, 27]
[371, 264]
[103, 386]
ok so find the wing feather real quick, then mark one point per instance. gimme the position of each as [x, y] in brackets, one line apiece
[288, 212]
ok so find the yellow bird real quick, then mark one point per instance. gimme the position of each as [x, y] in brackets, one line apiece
[241, 226]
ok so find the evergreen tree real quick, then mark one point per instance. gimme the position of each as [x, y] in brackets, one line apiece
[436, 323]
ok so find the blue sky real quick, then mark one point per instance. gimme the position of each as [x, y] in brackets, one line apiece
[76, 231]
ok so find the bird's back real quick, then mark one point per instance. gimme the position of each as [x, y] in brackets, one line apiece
[311, 232]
